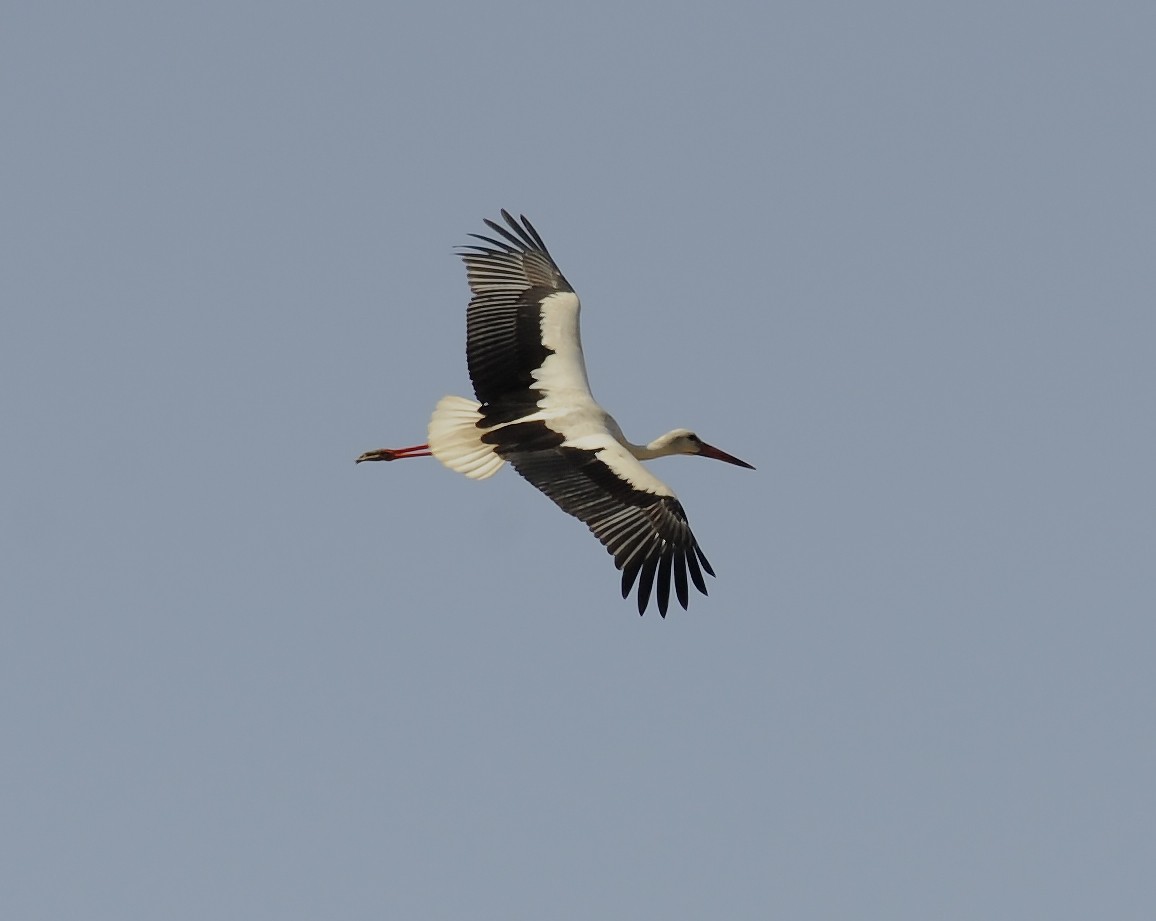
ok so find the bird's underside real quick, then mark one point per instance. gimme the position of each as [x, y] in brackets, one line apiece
[534, 411]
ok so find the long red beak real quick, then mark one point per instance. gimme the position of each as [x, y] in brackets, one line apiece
[711, 451]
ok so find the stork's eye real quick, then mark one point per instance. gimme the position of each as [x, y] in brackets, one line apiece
[693, 437]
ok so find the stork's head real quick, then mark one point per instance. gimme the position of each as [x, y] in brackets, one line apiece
[684, 441]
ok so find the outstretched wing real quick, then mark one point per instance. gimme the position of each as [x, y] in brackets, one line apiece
[633, 513]
[522, 339]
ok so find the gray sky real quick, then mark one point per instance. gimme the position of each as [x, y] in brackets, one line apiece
[898, 256]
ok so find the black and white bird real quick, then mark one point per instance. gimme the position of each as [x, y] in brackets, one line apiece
[534, 410]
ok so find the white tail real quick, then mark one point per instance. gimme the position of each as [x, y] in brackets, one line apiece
[456, 441]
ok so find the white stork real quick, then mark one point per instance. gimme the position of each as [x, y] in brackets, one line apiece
[536, 411]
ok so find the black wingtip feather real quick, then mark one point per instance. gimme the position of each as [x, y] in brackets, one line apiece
[514, 244]
[664, 564]
[680, 579]
[629, 575]
[521, 236]
[534, 234]
[646, 583]
[702, 559]
[696, 573]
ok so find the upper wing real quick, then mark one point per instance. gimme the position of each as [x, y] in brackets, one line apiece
[634, 514]
[523, 312]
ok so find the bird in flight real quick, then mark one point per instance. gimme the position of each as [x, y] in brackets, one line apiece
[534, 410]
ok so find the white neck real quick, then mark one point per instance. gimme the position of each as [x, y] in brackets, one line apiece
[660, 447]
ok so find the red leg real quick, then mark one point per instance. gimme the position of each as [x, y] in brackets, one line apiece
[389, 454]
